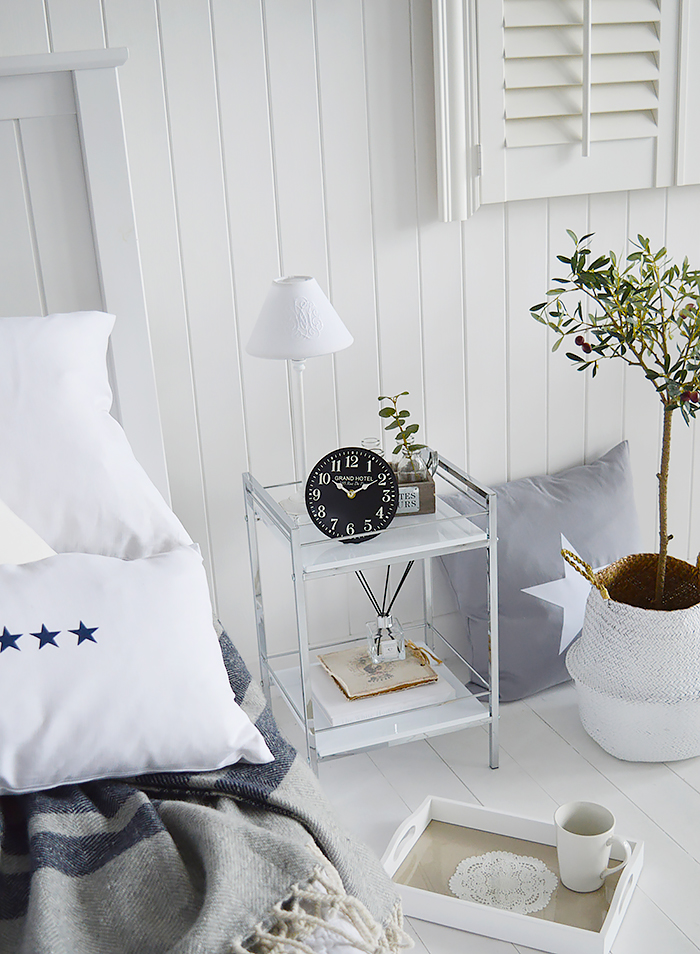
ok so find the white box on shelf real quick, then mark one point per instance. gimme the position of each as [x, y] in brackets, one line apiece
[571, 924]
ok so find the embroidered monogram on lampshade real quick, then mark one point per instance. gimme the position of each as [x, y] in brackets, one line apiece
[297, 321]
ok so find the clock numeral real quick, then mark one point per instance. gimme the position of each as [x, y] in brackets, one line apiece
[366, 499]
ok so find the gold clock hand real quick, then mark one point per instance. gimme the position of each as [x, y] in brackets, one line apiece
[352, 493]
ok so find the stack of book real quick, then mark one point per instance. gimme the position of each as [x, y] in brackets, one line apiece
[348, 687]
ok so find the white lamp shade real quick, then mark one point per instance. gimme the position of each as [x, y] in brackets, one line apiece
[297, 321]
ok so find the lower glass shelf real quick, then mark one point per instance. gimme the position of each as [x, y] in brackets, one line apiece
[419, 721]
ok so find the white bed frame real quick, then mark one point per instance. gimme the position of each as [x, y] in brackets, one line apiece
[63, 113]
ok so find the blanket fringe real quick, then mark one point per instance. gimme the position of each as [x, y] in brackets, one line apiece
[310, 907]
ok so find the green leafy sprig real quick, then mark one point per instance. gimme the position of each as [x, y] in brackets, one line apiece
[647, 315]
[404, 439]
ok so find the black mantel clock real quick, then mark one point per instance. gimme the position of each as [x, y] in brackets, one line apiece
[352, 492]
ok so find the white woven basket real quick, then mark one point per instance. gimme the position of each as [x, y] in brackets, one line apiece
[640, 731]
[637, 675]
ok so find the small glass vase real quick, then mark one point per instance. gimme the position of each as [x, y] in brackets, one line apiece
[385, 639]
[411, 468]
[373, 444]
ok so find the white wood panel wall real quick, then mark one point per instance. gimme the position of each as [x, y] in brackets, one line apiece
[281, 136]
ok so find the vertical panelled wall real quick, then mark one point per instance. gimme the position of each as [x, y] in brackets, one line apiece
[273, 137]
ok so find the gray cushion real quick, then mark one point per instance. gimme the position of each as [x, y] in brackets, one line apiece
[588, 509]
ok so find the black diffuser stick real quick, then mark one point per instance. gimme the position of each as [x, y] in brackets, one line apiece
[383, 610]
[386, 590]
[401, 582]
[361, 577]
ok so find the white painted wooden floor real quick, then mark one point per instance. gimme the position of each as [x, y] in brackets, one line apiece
[546, 759]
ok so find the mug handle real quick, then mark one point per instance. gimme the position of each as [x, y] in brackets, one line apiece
[614, 839]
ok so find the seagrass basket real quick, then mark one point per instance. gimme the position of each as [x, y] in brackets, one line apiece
[632, 580]
[637, 668]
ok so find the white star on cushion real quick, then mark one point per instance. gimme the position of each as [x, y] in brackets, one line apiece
[569, 592]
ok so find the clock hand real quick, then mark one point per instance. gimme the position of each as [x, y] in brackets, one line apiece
[365, 486]
[352, 493]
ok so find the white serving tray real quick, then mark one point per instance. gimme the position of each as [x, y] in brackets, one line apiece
[428, 845]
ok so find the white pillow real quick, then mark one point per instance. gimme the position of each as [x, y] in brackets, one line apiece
[68, 469]
[112, 668]
[18, 542]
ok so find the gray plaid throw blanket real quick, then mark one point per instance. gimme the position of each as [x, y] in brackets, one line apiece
[206, 863]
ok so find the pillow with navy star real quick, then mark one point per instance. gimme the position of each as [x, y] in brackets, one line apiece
[112, 668]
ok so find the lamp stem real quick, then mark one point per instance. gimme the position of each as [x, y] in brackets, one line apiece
[298, 421]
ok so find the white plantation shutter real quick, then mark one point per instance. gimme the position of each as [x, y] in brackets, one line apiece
[550, 64]
[572, 96]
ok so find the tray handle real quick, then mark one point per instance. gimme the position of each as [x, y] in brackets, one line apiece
[619, 906]
[401, 843]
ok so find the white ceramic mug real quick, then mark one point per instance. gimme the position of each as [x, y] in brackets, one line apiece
[584, 833]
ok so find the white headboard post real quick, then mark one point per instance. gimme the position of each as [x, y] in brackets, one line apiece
[106, 170]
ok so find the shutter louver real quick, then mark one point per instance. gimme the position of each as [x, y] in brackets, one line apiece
[544, 63]
[539, 98]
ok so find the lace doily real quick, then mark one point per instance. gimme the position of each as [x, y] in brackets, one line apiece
[504, 880]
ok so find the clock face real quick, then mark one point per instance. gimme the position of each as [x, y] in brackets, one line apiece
[352, 492]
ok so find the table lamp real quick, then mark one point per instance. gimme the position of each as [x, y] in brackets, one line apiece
[297, 322]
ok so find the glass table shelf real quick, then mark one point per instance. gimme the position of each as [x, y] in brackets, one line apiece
[464, 519]
[418, 722]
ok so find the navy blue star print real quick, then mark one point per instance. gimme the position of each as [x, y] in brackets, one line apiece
[7, 640]
[46, 638]
[83, 632]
